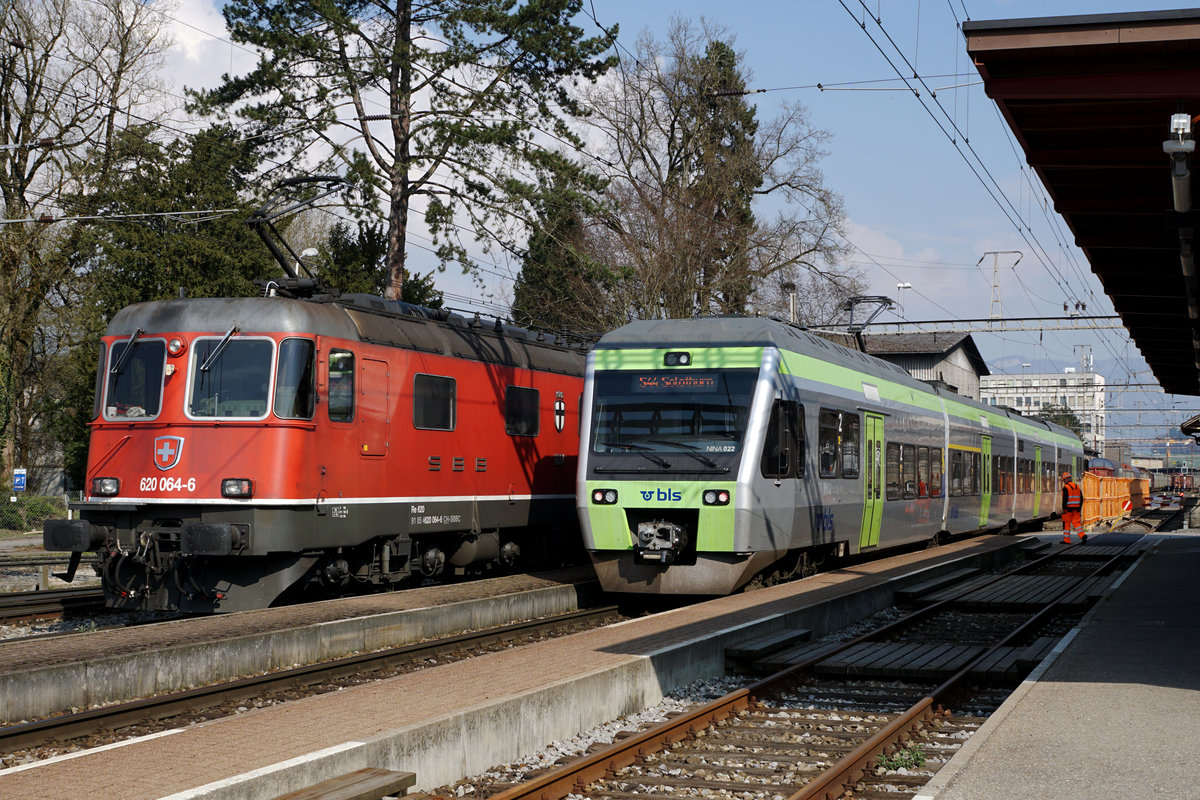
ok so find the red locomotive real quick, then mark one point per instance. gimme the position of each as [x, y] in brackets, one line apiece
[245, 449]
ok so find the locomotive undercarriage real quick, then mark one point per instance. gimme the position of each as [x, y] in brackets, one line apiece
[220, 560]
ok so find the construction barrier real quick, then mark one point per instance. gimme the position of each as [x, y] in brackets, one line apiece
[1109, 498]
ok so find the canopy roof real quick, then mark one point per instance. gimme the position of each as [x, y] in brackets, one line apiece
[1090, 99]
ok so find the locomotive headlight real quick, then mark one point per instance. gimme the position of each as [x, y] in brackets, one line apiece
[106, 487]
[237, 487]
[604, 497]
[176, 346]
[716, 497]
[677, 359]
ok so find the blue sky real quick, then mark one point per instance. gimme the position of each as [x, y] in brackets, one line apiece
[917, 212]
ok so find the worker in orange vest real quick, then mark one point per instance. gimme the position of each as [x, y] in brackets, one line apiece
[1072, 507]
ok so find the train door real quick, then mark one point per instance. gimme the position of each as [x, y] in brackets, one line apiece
[373, 407]
[1037, 480]
[985, 467]
[872, 481]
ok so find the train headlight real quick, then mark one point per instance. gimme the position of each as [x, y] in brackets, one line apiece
[106, 487]
[716, 497]
[237, 487]
[677, 359]
[176, 346]
[604, 497]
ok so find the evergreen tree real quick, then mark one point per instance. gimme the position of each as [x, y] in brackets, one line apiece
[466, 86]
[1061, 415]
[352, 261]
[123, 260]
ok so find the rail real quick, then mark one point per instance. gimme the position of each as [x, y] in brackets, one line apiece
[574, 777]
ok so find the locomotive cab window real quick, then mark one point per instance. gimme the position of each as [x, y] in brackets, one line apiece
[341, 386]
[135, 378]
[638, 411]
[295, 391]
[783, 446]
[520, 411]
[231, 377]
[99, 389]
[434, 402]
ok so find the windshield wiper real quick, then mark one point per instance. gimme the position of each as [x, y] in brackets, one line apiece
[220, 348]
[690, 449]
[641, 450]
[126, 353]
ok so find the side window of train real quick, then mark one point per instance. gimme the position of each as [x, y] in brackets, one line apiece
[935, 472]
[922, 472]
[850, 445]
[976, 474]
[434, 402]
[956, 473]
[827, 443]
[783, 447]
[893, 471]
[908, 470]
[520, 411]
[341, 386]
[295, 384]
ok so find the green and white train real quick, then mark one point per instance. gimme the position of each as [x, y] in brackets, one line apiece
[725, 450]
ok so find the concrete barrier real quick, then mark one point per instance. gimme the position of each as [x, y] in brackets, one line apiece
[57, 689]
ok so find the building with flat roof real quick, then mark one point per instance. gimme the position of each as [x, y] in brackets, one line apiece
[1029, 393]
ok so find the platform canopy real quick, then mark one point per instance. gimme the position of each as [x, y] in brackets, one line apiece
[1091, 101]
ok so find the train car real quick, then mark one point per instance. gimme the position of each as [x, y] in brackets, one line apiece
[244, 450]
[1183, 481]
[727, 451]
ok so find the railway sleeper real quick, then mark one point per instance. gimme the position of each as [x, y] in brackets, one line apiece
[723, 764]
[628, 782]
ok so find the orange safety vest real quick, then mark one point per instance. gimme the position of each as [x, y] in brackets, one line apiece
[1074, 496]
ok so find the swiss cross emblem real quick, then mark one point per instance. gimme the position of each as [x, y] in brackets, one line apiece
[560, 412]
[167, 450]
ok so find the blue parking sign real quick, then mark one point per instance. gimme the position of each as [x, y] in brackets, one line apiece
[18, 480]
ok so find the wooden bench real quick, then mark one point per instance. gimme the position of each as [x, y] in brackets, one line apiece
[368, 783]
[909, 594]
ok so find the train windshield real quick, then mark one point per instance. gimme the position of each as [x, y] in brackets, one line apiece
[699, 411]
[231, 377]
[135, 378]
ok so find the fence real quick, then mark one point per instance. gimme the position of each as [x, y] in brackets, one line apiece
[27, 513]
[1105, 498]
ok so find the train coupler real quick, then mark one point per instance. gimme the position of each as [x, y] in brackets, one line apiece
[660, 542]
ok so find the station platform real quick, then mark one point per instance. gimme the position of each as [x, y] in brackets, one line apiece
[461, 718]
[1113, 712]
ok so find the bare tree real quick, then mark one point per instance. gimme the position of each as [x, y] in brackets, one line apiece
[818, 293]
[693, 165]
[72, 74]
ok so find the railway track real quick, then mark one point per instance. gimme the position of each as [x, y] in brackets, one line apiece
[61, 729]
[849, 720]
[19, 606]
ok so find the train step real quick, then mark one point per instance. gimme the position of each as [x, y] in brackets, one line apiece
[765, 645]
[912, 593]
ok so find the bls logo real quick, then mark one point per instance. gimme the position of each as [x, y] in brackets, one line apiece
[662, 495]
